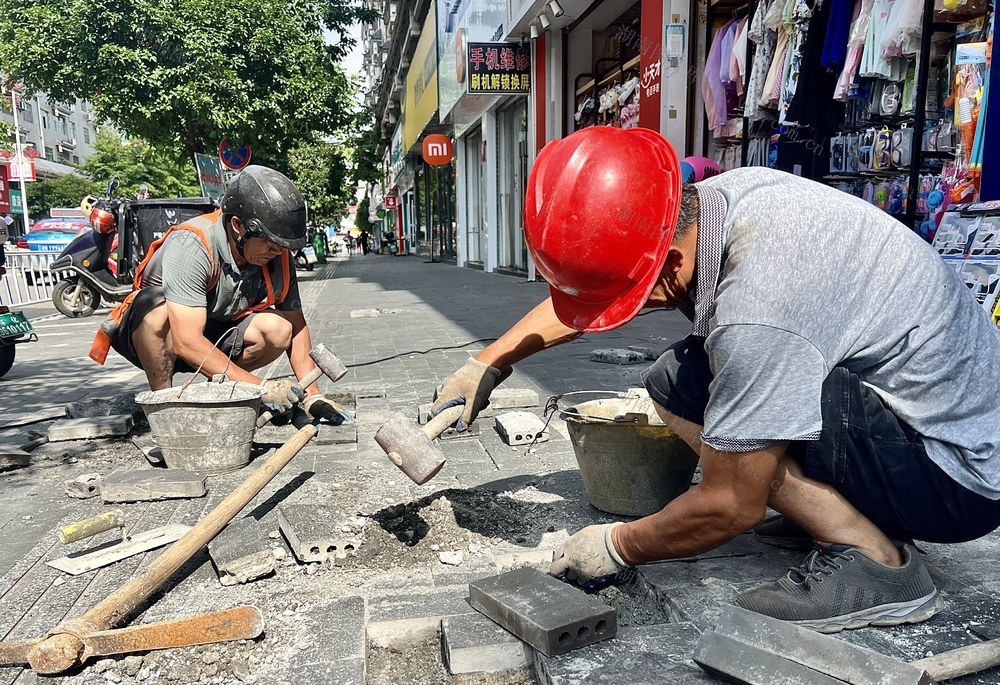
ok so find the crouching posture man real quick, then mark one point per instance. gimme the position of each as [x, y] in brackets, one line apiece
[838, 371]
[219, 294]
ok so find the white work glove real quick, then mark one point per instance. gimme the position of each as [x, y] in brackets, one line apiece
[471, 386]
[588, 554]
[281, 395]
[319, 406]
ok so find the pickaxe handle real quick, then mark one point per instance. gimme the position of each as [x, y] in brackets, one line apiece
[962, 661]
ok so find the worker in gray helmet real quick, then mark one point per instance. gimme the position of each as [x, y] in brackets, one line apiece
[219, 294]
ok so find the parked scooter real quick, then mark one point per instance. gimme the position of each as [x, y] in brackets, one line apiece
[14, 330]
[91, 260]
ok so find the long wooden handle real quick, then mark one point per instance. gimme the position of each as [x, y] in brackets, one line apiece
[962, 661]
[127, 598]
[310, 378]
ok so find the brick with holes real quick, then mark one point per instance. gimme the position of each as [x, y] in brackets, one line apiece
[550, 615]
[317, 532]
[521, 428]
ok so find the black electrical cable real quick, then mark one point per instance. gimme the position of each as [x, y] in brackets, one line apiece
[433, 349]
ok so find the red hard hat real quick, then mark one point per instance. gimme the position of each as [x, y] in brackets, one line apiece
[600, 212]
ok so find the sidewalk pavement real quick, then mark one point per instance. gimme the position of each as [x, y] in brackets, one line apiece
[403, 326]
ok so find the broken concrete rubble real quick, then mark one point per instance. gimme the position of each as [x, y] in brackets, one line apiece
[84, 486]
[617, 356]
[241, 552]
[93, 407]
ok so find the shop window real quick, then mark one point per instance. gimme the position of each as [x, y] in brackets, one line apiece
[608, 94]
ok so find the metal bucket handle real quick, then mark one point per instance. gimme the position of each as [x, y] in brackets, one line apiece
[215, 345]
[552, 404]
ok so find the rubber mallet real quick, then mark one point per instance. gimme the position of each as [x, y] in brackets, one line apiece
[326, 363]
[411, 447]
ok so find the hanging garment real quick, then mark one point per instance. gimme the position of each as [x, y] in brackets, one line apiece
[902, 31]
[837, 31]
[873, 63]
[811, 103]
[799, 33]
[772, 85]
[765, 40]
[737, 65]
[712, 90]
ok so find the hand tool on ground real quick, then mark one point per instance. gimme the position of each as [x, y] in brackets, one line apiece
[80, 530]
[74, 641]
[750, 648]
[326, 363]
[411, 447]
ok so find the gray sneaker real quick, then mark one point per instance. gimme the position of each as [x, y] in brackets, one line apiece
[779, 531]
[839, 587]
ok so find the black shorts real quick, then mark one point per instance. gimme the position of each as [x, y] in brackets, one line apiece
[151, 297]
[875, 460]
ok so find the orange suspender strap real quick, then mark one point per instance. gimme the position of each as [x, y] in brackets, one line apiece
[271, 299]
[102, 342]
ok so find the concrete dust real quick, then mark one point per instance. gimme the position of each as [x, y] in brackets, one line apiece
[421, 664]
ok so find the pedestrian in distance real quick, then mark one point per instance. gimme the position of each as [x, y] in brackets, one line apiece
[219, 294]
[821, 379]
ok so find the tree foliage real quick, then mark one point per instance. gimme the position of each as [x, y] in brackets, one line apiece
[361, 219]
[366, 165]
[189, 72]
[135, 162]
[63, 191]
[319, 170]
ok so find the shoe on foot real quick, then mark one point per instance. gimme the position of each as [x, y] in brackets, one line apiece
[779, 531]
[839, 587]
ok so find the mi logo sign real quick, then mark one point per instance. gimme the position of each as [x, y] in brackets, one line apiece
[437, 149]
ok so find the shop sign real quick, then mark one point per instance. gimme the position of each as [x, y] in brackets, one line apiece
[397, 160]
[460, 22]
[437, 149]
[15, 200]
[421, 96]
[4, 188]
[499, 68]
[650, 82]
[391, 202]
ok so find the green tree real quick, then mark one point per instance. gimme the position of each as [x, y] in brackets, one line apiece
[188, 73]
[135, 162]
[320, 171]
[361, 219]
[366, 165]
[64, 191]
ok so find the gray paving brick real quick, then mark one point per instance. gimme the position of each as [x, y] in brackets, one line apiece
[511, 398]
[407, 616]
[241, 552]
[83, 486]
[737, 662]
[521, 428]
[90, 427]
[647, 352]
[316, 532]
[472, 643]
[152, 484]
[639, 655]
[548, 614]
[103, 406]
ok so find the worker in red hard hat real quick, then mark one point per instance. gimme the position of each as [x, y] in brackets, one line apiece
[837, 371]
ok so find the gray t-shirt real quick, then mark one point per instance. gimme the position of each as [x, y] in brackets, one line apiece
[183, 268]
[812, 278]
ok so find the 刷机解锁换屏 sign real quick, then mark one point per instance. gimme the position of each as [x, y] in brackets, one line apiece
[500, 68]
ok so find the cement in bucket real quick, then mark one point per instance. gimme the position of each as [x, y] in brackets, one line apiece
[633, 466]
[208, 429]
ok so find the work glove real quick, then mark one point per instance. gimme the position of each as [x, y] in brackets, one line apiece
[471, 385]
[321, 407]
[588, 554]
[281, 395]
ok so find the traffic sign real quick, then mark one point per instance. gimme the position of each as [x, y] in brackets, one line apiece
[234, 156]
[437, 149]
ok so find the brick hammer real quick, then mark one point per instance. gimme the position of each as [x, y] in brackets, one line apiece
[411, 447]
[326, 363]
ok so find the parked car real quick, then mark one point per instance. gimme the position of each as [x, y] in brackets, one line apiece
[52, 235]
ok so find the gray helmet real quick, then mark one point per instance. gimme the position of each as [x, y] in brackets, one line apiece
[269, 205]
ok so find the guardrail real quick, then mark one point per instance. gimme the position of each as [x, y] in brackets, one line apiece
[28, 280]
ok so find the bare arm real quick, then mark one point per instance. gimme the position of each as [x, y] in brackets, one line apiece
[731, 498]
[298, 353]
[190, 344]
[538, 330]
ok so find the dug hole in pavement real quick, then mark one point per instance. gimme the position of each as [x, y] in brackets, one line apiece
[371, 611]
